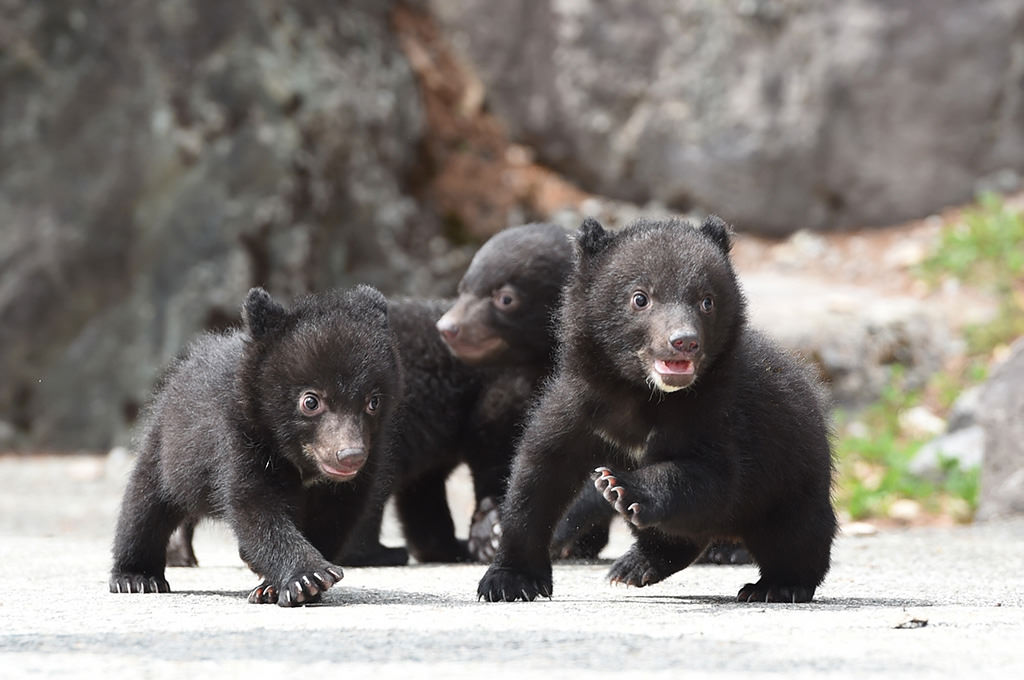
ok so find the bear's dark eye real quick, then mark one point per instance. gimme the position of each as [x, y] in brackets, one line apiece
[640, 300]
[505, 298]
[310, 404]
[372, 404]
[707, 304]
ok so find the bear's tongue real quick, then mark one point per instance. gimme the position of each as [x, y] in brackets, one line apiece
[681, 367]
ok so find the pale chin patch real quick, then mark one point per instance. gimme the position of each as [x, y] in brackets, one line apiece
[655, 379]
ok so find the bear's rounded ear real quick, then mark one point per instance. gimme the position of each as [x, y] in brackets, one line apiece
[716, 229]
[592, 237]
[373, 300]
[262, 314]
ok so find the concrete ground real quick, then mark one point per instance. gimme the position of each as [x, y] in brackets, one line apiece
[909, 603]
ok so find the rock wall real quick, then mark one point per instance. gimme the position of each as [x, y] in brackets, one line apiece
[158, 159]
[776, 114]
[1001, 416]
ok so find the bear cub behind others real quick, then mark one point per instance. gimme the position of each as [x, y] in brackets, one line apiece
[699, 426]
[280, 429]
[472, 367]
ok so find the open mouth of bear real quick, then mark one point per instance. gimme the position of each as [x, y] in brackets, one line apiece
[674, 373]
[674, 367]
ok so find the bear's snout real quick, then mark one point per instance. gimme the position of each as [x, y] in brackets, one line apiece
[344, 464]
[674, 356]
[351, 459]
[684, 340]
[448, 326]
[339, 447]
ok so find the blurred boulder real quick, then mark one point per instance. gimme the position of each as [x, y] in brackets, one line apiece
[158, 159]
[963, 441]
[964, 411]
[966, 446]
[1001, 415]
[856, 337]
[776, 114]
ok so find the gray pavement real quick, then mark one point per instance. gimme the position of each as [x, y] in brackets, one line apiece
[930, 602]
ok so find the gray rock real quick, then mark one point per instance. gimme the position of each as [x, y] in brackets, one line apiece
[964, 412]
[775, 114]
[966, 446]
[1001, 415]
[854, 336]
[161, 158]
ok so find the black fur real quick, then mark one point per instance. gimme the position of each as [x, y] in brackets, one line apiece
[468, 389]
[726, 437]
[226, 436]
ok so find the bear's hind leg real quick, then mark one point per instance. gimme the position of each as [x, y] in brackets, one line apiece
[793, 558]
[654, 557]
[583, 531]
[180, 552]
[143, 529]
[426, 519]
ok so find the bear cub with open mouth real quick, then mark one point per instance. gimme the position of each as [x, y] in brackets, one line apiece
[700, 428]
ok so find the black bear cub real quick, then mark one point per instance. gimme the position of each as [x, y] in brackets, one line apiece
[280, 429]
[699, 426]
[472, 368]
[502, 323]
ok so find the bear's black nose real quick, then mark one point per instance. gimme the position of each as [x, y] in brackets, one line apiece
[448, 328]
[684, 341]
[352, 458]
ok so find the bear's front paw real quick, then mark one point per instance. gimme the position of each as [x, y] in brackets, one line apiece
[625, 497]
[502, 584]
[138, 583]
[301, 588]
[485, 531]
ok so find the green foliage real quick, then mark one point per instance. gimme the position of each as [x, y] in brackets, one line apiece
[986, 249]
[874, 452]
[1007, 325]
[962, 483]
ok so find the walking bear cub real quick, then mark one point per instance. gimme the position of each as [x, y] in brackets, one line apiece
[471, 368]
[280, 429]
[700, 427]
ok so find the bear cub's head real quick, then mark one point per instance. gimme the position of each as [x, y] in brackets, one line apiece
[320, 379]
[655, 304]
[508, 296]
